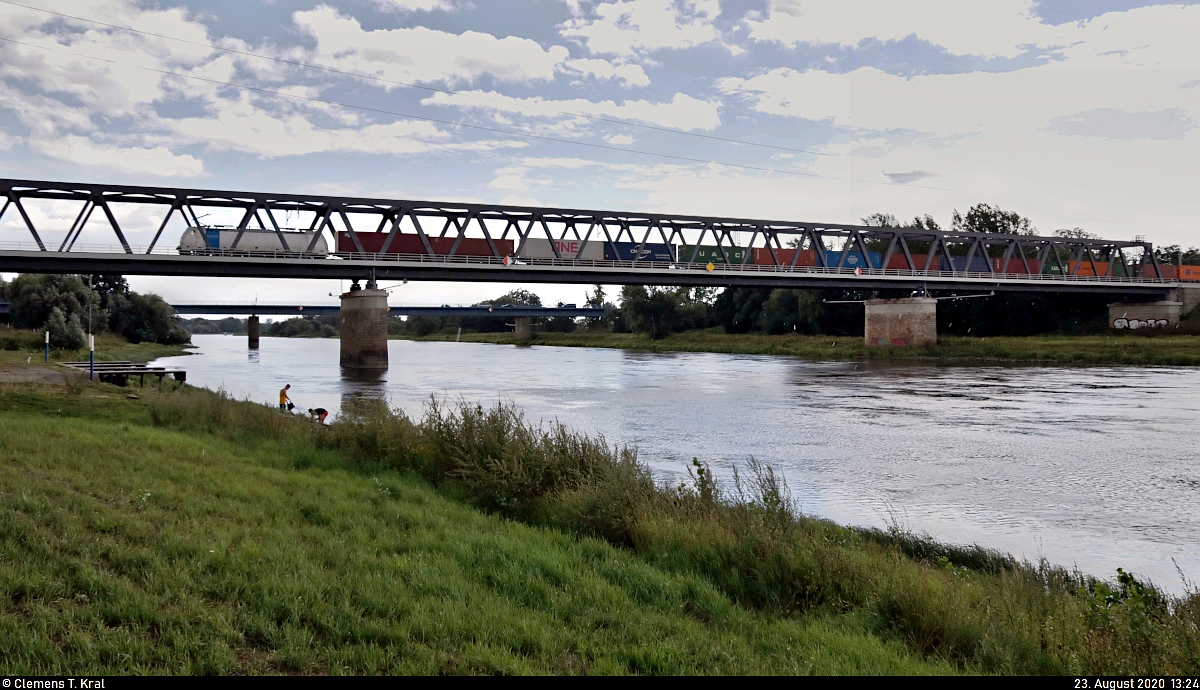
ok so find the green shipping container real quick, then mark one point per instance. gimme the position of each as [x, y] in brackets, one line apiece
[707, 253]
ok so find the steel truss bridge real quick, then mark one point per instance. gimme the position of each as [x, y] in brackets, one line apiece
[28, 248]
[334, 310]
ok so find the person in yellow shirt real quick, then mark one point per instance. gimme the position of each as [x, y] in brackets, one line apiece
[285, 403]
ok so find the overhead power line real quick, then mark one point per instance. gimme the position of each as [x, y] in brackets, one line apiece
[359, 75]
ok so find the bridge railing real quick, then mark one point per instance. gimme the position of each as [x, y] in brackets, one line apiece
[649, 266]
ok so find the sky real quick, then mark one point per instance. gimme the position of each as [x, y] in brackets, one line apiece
[1074, 113]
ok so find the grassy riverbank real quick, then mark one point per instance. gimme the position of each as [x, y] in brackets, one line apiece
[1180, 350]
[19, 345]
[183, 532]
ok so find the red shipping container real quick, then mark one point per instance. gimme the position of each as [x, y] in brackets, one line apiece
[1015, 265]
[762, 256]
[410, 243]
[1173, 272]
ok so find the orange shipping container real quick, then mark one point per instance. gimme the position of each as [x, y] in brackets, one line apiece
[1084, 268]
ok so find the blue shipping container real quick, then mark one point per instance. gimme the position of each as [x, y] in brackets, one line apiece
[979, 264]
[628, 251]
[853, 259]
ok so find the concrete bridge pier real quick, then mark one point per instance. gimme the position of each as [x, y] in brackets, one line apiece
[364, 328]
[252, 332]
[1187, 295]
[910, 322]
[1144, 314]
[523, 328]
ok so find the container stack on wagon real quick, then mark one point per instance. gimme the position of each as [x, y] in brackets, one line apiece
[211, 240]
[541, 248]
[410, 243]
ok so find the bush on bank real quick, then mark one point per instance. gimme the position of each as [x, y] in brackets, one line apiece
[979, 609]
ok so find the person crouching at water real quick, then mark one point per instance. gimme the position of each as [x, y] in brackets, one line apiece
[319, 414]
[285, 403]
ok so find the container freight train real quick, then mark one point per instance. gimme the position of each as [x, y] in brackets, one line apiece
[210, 240]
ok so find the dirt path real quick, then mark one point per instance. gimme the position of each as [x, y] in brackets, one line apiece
[35, 373]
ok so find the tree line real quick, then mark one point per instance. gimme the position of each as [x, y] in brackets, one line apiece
[71, 306]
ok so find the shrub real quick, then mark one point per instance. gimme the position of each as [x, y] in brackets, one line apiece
[65, 333]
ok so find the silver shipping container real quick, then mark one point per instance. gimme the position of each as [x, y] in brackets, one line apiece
[540, 248]
[204, 240]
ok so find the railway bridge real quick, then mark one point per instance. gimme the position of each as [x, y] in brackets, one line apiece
[64, 227]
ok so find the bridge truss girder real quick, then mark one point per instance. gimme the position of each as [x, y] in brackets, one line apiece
[492, 222]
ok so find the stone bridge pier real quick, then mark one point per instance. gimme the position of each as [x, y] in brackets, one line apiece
[364, 328]
[909, 322]
[523, 328]
[252, 330]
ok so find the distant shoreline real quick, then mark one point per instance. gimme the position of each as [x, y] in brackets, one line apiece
[1095, 350]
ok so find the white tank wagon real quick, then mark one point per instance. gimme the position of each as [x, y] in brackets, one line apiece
[208, 240]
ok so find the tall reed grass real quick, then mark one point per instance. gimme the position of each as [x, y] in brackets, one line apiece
[980, 609]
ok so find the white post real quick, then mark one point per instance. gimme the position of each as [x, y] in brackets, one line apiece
[47, 347]
[91, 357]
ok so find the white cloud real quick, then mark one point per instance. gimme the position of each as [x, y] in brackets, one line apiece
[631, 75]
[1002, 28]
[413, 5]
[620, 139]
[629, 27]
[425, 55]
[977, 102]
[995, 27]
[682, 112]
[158, 161]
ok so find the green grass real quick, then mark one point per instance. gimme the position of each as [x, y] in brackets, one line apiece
[185, 532]
[18, 345]
[1183, 350]
[130, 546]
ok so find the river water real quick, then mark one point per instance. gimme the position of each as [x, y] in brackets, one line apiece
[1092, 467]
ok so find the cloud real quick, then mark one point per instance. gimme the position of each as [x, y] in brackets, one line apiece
[629, 27]
[157, 161]
[420, 54]
[620, 139]
[950, 104]
[997, 28]
[414, 5]
[908, 177]
[1110, 123]
[631, 75]
[682, 112]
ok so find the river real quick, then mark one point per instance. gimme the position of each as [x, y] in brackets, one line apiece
[1094, 467]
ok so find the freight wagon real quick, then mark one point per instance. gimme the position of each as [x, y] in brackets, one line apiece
[209, 240]
[538, 248]
[410, 243]
[1173, 272]
[631, 251]
[704, 254]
